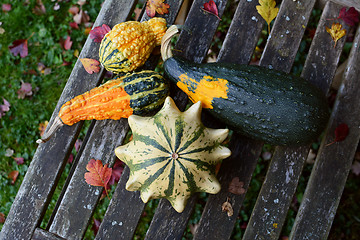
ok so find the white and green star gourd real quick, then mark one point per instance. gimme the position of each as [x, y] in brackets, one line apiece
[172, 155]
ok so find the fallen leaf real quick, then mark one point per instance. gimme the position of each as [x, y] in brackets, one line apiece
[341, 132]
[71, 158]
[117, 170]
[98, 175]
[336, 32]
[81, 2]
[90, 65]
[67, 43]
[156, 6]
[56, 6]
[267, 11]
[350, 17]
[74, 25]
[266, 155]
[96, 225]
[2, 218]
[13, 175]
[193, 228]
[355, 168]
[19, 47]
[19, 160]
[226, 207]
[25, 90]
[42, 127]
[2, 31]
[98, 33]
[74, 10]
[6, 7]
[211, 8]
[81, 17]
[236, 187]
[77, 144]
[4, 107]
[39, 8]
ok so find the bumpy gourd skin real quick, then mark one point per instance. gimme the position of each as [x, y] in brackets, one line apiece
[135, 93]
[129, 44]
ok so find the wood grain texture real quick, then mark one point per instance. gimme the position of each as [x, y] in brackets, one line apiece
[286, 165]
[41, 234]
[50, 158]
[333, 163]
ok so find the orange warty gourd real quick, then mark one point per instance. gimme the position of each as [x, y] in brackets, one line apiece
[139, 93]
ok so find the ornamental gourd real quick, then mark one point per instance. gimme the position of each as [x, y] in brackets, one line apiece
[172, 155]
[265, 104]
[129, 44]
[134, 93]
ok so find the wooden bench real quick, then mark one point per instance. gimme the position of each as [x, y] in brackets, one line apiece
[317, 210]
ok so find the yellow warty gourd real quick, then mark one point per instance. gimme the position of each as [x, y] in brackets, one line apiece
[129, 44]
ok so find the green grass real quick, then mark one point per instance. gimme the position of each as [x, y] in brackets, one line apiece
[19, 126]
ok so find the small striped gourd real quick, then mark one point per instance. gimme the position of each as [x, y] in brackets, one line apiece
[172, 155]
[138, 93]
[129, 44]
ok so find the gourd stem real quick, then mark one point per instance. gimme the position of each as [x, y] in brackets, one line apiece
[166, 40]
[48, 134]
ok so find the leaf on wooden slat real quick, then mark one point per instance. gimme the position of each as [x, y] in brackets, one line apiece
[211, 8]
[341, 132]
[90, 65]
[336, 32]
[267, 11]
[156, 6]
[98, 174]
[98, 33]
[236, 187]
[350, 17]
[226, 207]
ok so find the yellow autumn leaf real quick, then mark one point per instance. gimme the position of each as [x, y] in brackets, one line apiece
[267, 10]
[336, 32]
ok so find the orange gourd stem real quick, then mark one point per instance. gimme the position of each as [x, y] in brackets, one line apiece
[108, 101]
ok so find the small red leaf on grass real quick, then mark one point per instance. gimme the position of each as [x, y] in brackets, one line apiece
[13, 176]
[19, 160]
[355, 168]
[90, 65]
[6, 7]
[4, 107]
[211, 7]
[156, 6]
[25, 90]
[341, 132]
[350, 17]
[2, 217]
[98, 33]
[96, 225]
[67, 43]
[19, 47]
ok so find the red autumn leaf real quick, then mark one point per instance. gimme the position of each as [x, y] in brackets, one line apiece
[4, 107]
[19, 160]
[19, 47]
[236, 187]
[39, 8]
[341, 132]
[2, 217]
[74, 25]
[74, 10]
[90, 65]
[6, 7]
[25, 90]
[117, 170]
[96, 225]
[156, 6]
[99, 174]
[13, 176]
[211, 7]
[98, 33]
[77, 144]
[67, 43]
[350, 17]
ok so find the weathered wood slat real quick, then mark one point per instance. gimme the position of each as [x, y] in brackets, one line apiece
[286, 165]
[51, 157]
[333, 163]
[193, 43]
[80, 199]
[41, 234]
[245, 152]
[124, 224]
[123, 213]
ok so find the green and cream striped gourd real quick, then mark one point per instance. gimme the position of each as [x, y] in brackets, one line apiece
[172, 155]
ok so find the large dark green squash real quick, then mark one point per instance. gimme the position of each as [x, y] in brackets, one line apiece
[268, 105]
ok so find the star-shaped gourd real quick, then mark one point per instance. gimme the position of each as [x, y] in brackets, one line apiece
[172, 155]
